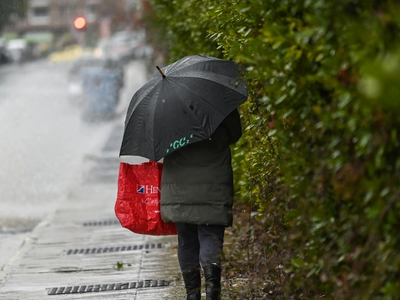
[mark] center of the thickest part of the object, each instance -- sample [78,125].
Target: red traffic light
[80,23]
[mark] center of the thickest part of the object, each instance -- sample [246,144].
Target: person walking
[197,195]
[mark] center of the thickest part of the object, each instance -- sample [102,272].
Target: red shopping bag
[138,199]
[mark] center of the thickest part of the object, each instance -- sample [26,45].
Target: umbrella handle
[161,72]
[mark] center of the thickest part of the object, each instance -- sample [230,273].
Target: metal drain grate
[106,287]
[102,223]
[85,251]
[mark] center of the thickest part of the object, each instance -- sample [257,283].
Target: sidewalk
[82,252]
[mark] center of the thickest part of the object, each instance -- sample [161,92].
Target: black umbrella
[182,103]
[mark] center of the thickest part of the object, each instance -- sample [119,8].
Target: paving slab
[80,251]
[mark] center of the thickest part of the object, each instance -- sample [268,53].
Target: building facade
[53,20]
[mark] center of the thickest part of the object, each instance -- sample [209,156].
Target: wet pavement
[80,251]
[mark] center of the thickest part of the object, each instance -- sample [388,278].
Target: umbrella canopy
[182,103]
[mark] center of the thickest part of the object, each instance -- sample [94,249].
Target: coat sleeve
[234,126]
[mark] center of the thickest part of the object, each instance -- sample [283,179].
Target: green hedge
[320,155]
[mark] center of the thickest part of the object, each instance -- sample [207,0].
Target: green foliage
[120,265]
[319,157]
[9,9]
[180,29]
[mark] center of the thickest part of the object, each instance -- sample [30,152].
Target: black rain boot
[212,274]
[192,284]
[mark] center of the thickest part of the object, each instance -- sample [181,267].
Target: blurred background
[32,29]
[68,69]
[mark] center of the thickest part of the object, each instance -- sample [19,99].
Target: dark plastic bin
[100,92]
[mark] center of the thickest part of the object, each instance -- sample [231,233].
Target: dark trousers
[199,245]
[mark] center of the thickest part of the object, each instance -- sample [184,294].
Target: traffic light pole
[80,28]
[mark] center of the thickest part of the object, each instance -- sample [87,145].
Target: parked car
[4,54]
[85,63]
[123,46]
[18,50]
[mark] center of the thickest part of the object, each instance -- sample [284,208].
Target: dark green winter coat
[197,180]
